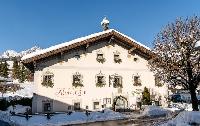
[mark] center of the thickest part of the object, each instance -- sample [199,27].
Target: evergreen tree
[22,77]
[4,69]
[16,70]
[146,97]
[1,66]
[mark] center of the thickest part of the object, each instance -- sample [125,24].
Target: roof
[81,41]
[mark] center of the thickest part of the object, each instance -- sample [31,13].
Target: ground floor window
[107,101]
[69,107]
[77,106]
[96,105]
[47,107]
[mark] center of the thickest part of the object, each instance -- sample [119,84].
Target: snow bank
[26,91]
[18,109]
[155,111]
[185,119]
[63,119]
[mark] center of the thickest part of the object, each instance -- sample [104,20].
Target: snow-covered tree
[176,60]
[4,69]
[16,69]
[22,76]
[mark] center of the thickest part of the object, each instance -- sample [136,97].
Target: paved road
[108,123]
[3,123]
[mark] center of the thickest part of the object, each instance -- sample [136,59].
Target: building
[93,72]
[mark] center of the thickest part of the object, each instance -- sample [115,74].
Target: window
[135,59]
[100,57]
[117,81]
[69,107]
[48,80]
[77,80]
[137,81]
[117,58]
[107,101]
[158,81]
[47,107]
[100,80]
[96,105]
[77,106]
[77,56]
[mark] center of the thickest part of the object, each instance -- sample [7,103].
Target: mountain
[11,53]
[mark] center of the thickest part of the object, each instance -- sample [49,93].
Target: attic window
[100,57]
[77,56]
[135,59]
[117,58]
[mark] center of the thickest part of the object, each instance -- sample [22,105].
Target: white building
[92,72]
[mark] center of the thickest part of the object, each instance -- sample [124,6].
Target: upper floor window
[116,80]
[137,80]
[47,80]
[117,58]
[158,81]
[77,80]
[100,57]
[77,56]
[100,80]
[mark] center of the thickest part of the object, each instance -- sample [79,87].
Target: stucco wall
[88,67]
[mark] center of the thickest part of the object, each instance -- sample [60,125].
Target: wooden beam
[111,39]
[131,50]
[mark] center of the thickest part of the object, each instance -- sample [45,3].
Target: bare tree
[176,59]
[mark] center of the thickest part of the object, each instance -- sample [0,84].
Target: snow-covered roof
[60,47]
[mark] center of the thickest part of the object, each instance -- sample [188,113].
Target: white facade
[63,96]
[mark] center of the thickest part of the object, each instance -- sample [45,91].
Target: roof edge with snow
[81,41]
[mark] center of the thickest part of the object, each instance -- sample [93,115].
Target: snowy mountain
[11,53]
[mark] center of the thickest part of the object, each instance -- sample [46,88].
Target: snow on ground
[155,111]
[26,91]
[61,119]
[185,118]
[18,109]
[180,106]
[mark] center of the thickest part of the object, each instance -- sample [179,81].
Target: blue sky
[25,23]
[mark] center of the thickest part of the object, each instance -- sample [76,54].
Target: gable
[109,36]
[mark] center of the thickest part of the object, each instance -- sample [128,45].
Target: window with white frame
[158,81]
[136,80]
[100,80]
[100,57]
[96,105]
[117,58]
[77,80]
[116,81]
[47,79]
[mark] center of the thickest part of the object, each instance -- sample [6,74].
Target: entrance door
[120,103]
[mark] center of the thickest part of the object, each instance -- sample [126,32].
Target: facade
[93,72]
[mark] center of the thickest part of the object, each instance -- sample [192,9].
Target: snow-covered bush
[185,119]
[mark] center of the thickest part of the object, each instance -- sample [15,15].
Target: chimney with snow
[105,24]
